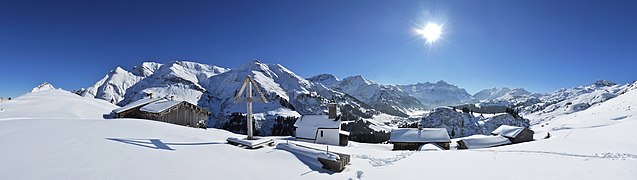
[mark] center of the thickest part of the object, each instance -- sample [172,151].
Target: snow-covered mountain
[385,98]
[214,88]
[113,86]
[506,97]
[441,93]
[381,106]
[500,94]
[570,100]
[42,87]
[328,80]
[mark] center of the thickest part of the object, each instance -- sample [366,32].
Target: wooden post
[249,104]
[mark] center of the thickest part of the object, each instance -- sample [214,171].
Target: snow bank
[54,104]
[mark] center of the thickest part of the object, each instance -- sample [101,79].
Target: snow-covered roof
[484,142]
[159,106]
[508,131]
[137,103]
[343,132]
[307,125]
[422,135]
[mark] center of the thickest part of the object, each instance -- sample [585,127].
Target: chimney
[419,126]
[150,95]
[331,108]
[172,98]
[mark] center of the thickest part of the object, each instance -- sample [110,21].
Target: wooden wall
[184,114]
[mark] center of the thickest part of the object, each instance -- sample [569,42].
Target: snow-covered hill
[441,93]
[54,104]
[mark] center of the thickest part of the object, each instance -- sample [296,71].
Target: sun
[431,32]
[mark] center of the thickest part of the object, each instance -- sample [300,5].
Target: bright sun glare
[431,32]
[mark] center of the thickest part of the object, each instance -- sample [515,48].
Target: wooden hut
[514,134]
[164,110]
[413,138]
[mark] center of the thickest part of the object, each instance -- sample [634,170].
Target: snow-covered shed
[482,141]
[321,129]
[514,134]
[413,138]
[165,110]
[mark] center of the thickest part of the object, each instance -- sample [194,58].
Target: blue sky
[539,45]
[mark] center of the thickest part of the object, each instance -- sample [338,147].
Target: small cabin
[482,141]
[514,134]
[413,138]
[321,129]
[165,110]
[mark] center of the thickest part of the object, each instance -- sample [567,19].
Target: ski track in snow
[606,155]
[378,162]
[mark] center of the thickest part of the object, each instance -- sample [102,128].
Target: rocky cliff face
[460,124]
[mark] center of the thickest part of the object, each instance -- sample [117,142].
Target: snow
[430,147]
[307,125]
[250,143]
[422,135]
[159,106]
[58,135]
[507,131]
[481,141]
[54,104]
[43,87]
[137,103]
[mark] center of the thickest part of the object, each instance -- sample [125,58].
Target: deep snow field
[55,134]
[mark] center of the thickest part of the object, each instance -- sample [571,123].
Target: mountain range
[380,105]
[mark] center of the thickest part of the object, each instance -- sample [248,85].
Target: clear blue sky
[541,45]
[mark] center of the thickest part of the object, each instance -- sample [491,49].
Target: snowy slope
[437,94]
[54,104]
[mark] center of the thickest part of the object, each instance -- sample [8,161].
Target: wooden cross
[249,83]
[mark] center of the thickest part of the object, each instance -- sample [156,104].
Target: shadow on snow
[157,143]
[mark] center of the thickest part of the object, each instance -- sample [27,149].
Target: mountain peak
[43,87]
[441,82]
[253,65]
[359,78]
[325,79]
[146,69]
[602,83]
[119,70]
